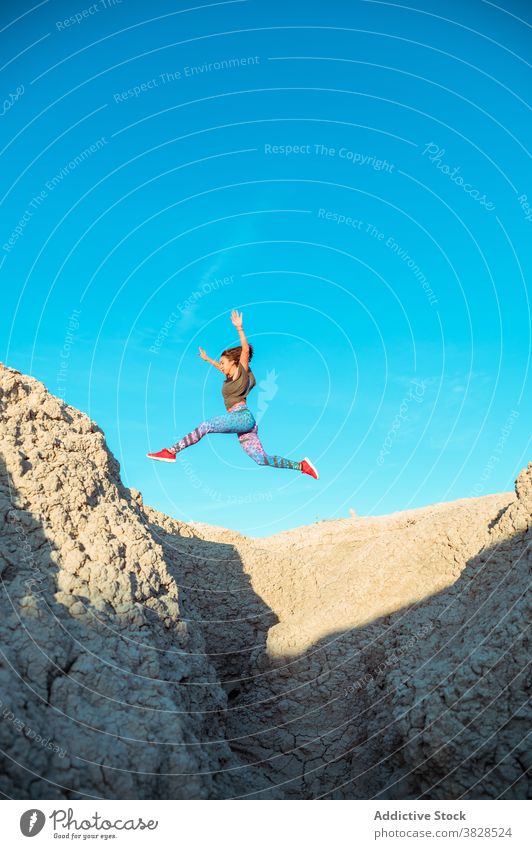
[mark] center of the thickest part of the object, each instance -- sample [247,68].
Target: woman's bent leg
[252,445]
[236,422]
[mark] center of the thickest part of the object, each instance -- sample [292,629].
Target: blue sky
[353,176]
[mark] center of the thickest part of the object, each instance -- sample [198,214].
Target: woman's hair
[233,354]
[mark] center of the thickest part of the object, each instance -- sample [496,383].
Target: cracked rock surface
[379,657]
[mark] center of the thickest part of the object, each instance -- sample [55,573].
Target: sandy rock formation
[382,657]
[99,659]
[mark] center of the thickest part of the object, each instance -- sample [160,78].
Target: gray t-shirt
[236,390]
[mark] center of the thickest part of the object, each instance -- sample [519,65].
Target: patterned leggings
[239,420]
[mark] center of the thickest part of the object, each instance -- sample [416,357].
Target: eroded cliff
[144,658]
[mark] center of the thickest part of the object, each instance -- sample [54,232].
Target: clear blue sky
[350,175]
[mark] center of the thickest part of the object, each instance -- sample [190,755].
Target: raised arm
[203,355]
[236,318]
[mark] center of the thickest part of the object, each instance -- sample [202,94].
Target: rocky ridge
[146,658]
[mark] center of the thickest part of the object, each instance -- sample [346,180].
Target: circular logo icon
[32,822]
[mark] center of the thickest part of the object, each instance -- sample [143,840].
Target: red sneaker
[308,469]
[165,455]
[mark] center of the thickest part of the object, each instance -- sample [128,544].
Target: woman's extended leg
[238,421]
[252,445]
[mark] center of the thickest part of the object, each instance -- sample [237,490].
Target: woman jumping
[238,383]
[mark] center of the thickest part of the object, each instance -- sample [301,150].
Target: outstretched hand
[236,318]
[203,354]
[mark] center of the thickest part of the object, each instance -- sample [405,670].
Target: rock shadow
[217,594]
[428,702]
